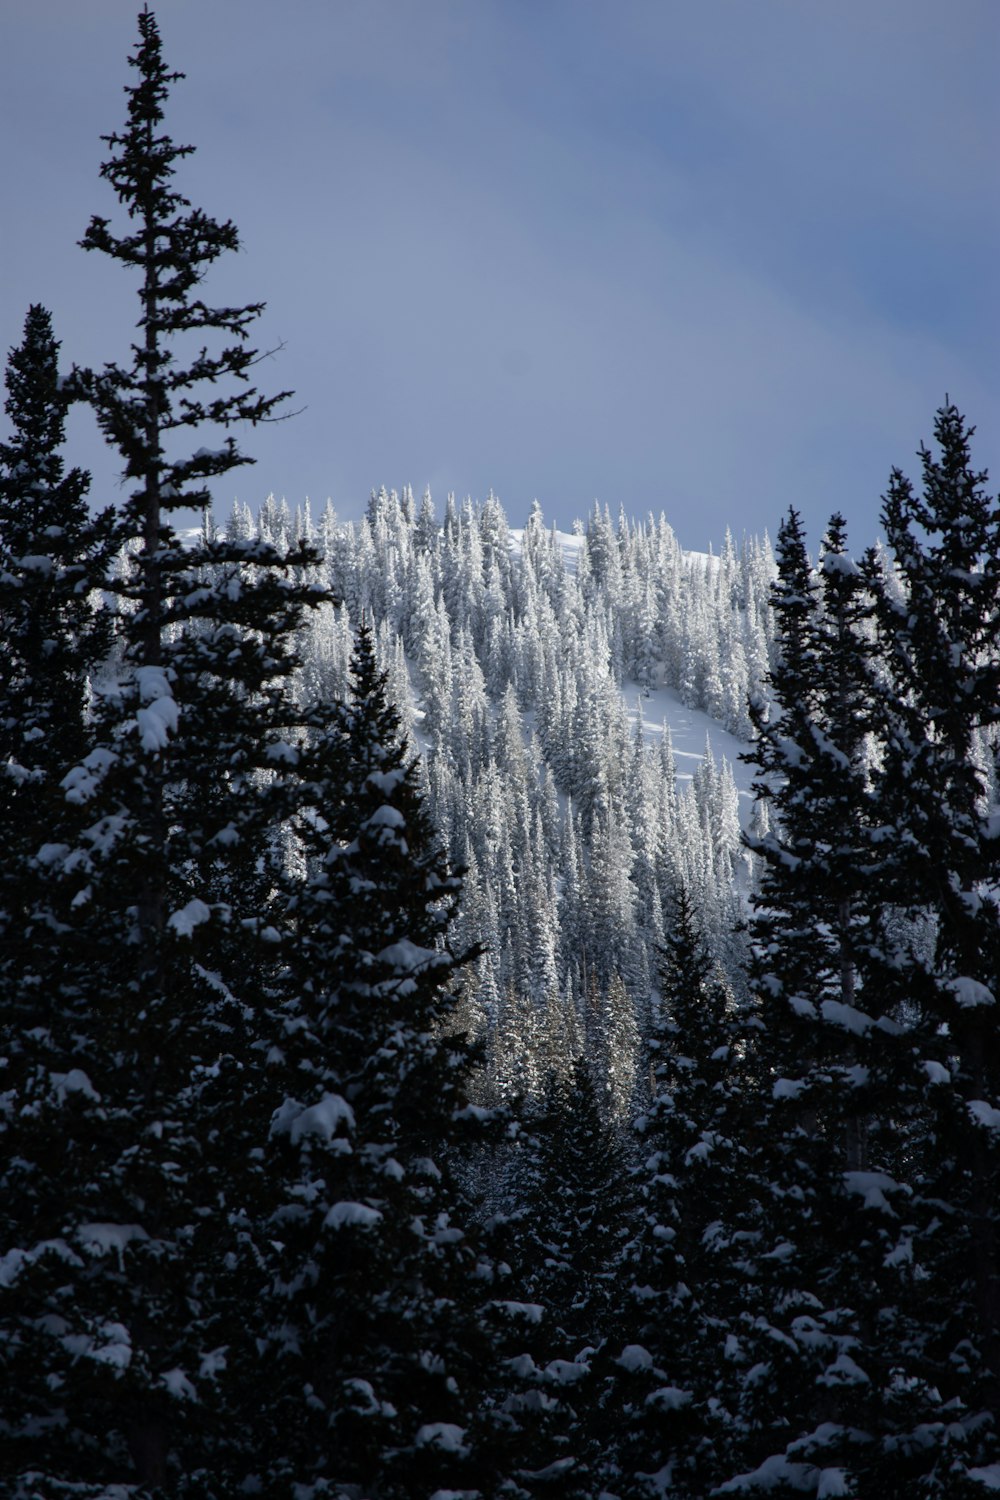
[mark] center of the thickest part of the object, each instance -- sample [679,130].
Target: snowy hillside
[579,703]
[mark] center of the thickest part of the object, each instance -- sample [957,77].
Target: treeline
[304,1194]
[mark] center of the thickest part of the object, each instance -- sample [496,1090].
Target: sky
[712,259]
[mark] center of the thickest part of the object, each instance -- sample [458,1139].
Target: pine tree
[938,623]
[52,559]
[822,1217]
[686,1295]
[131,1123]
[569,1231]
[857,1368]
[371,1331]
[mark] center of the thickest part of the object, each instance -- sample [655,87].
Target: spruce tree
[372,1331]
[569,1232]
[938,624]
[686,1294]
[810,1397]
[129,1140]
[53,558]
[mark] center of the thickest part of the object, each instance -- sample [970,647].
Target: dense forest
[411,1086]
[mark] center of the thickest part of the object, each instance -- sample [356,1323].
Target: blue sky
[712,259]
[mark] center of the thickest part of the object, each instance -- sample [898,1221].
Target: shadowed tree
[130,1128]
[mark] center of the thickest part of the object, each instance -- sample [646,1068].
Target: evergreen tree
[686,1295]
[853,1373]
[372,1313]
[577,1209]
[569,1230]
[814,1370]
[130,1126]
[938,623]
[52,559]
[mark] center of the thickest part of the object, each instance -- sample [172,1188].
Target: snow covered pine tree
[128,1143]
[373,1317]
[807,1396]
[52,558]
[938,965]
[686,1296]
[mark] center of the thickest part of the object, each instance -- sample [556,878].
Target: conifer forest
[486,1013]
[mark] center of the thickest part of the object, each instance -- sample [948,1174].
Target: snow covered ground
[690,732]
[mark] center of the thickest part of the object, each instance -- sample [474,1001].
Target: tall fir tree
[373,1331]
[828,1268]
[129,1139]
[687,1293]
[938,966]
[53,558]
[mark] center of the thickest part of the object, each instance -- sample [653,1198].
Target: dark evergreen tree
[853,1376]
[809,1395]
[53,556]
[938,624]
[569,1229]
[688,1293]
[130,1121]
[374,1339]
[52,559]
[576,1211]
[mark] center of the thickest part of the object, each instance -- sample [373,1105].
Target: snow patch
[839,1014]
[157,723]
[444,1435]
[116,1350]
[73,1082]
[386,817]
[189,917]
[13,1262]
[409,957]
[565,1371]
[179,1386]
[669,1398]
[321,1119]
[969,993]
[153,683]
[984,1114]
[280,750]
[832,1482]
[635,1357]
[356,1215]
[770,1475]
[531,1312]
[101,1239]
[872,1187]
[843,1371]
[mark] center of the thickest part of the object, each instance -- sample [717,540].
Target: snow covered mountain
[579,703]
